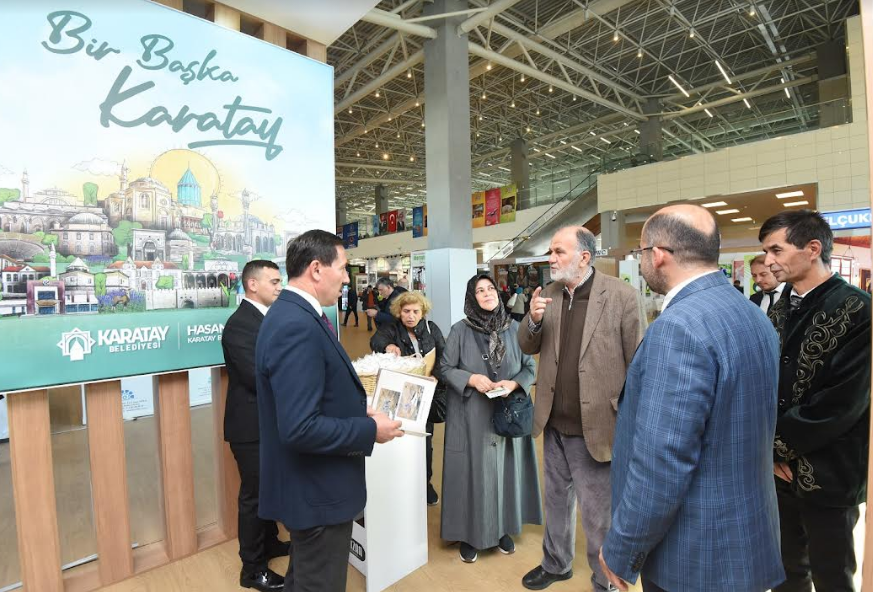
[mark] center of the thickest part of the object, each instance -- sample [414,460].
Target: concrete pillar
[833,84]
[451,260]
[341,214]
[612,230]
[520,168]
[651,142]
[381,199]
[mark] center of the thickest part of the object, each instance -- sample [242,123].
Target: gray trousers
[319,559]
[571,474]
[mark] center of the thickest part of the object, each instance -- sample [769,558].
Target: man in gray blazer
[585,326]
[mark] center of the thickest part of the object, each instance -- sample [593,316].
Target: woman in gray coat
[491,484]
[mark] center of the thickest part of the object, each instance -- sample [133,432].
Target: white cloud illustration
[98,166]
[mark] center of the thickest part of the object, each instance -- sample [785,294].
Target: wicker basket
[369,380]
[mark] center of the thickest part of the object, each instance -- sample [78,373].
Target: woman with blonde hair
[411,334]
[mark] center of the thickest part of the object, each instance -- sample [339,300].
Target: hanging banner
[508,203]
[392,221]
[479,209]
[418,222]
[374,226]
[350,235]
[401,220]
[179,150]
[383,224]
[492,207]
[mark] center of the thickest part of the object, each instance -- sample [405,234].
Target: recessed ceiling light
[723,212]
[789,194]
[715,204]
[796,203]
[745,219]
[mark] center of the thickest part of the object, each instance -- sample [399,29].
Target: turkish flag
[392,221]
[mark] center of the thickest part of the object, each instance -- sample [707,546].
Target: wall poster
[155,153]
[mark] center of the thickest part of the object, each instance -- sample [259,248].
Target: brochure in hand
[498,392]
[404,397]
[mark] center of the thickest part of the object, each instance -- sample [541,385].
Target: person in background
[315,425]
[738,285]
[823,426]
[351,306]
[258,539]
[387,293]
[491,484]
[368,302]
[585,327]
[518,306]
[411,334]
[693,504]
[771,288]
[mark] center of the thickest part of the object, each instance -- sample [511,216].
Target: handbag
[513,414]
[438,406]
[511,302]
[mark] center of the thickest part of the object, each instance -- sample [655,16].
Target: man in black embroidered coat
[822,431]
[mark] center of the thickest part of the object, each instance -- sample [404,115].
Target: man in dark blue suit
[693,499]
[315,425]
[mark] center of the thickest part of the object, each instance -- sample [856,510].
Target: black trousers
[817,544]
[351,311]
[319,559]
[255,535]
[651,587]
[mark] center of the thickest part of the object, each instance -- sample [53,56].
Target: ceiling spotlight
[422,124]
[389,118]
[512,104]
[398,135]
[522,78]
[411,159]
[483,96]
[691,35]
[385,156]
[377,94]
[488,66]
[417,103]
[615,36]
[752,10]
[640,52]
[528,128]
[350,110]
[538,111]
[480,118]
[409,73]
[500,139]
[377,144]
[551,89]
[359,154]
[477,134]
[574,98]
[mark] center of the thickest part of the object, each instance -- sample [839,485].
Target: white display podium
[392,542]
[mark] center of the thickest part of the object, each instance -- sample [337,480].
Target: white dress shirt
[308,298]
[258,305]
[678,287]
[765,300]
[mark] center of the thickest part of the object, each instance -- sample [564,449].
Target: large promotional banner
[508,203]
[479,209]
[492,207]
[349,234]
[419,221]
[149,155]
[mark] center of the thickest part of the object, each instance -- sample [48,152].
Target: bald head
[688,230]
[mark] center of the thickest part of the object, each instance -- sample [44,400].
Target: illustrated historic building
[148,245]
[80,289]
[86,234]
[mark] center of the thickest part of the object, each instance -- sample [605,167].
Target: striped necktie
[329,324]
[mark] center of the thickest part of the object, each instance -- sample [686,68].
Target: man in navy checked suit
[693,499]
[315,425]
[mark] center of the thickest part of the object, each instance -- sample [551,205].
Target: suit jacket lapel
[596,302]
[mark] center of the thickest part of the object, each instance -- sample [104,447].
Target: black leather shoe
[278,549]
[432,497]
[539,579]
[265,581]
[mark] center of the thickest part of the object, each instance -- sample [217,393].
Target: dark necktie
[795,301]
[771,296]
[329,324]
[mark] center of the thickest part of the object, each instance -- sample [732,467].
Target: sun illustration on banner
[178,166]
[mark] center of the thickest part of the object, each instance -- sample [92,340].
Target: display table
[392,541]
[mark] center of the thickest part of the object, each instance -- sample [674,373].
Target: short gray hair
[587,241]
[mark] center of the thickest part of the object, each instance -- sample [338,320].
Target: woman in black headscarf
[490,483]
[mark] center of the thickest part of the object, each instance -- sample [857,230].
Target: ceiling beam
[380,81]
[491,11]
[393,21]
[735,98]
[371,57]
[375,181]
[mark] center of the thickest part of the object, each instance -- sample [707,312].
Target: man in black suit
[315,426]
[771,288]
[258,539]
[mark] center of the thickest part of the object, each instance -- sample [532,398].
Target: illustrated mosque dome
[178,234]
[188,189]
[85,218]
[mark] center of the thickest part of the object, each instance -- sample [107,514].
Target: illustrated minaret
[53,257]
[123,176]
[246,200]
[25,186]
[213,202]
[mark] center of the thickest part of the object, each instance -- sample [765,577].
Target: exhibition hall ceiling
[575,79]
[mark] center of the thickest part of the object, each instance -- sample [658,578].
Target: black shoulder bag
[438,407]
[513,414]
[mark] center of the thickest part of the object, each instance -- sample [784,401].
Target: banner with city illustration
[149,155]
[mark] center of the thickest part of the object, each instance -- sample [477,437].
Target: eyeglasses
[638,253]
